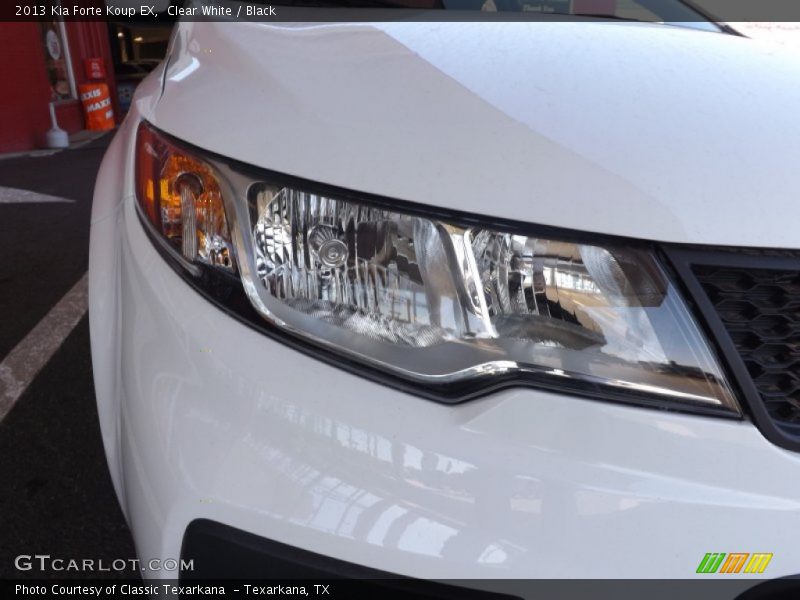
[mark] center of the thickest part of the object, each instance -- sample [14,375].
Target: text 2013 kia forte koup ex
[455,300]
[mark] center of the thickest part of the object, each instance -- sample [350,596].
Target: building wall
[24,116]
[25,95]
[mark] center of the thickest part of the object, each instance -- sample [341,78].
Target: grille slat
[760,309]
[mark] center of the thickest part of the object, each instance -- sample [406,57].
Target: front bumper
[205,418]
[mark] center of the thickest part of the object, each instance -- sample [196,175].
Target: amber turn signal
[179,195]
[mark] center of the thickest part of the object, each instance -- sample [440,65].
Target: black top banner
[167,11]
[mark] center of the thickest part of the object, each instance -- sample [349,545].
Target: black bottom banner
[410,589]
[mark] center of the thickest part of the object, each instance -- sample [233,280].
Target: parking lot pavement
[56,496]
[45,246]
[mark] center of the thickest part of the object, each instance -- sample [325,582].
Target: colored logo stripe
[758,563]
[710,562]
[713,562]
[734,562]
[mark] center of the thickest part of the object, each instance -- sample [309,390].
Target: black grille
[760,309]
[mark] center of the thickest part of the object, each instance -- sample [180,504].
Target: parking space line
[16,196]
[23,363]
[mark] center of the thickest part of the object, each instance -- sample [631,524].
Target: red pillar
[89,39]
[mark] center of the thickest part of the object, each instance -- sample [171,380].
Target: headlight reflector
[440,302]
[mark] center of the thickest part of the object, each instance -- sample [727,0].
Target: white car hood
[645,131]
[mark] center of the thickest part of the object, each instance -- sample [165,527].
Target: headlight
[451,306]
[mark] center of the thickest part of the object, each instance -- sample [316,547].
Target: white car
[455,300]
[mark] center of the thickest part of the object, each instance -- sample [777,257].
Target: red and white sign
[95,69]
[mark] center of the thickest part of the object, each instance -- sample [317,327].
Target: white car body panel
[218,421]
[446,114]
[203,417]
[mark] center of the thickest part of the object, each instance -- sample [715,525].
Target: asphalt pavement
[56,495]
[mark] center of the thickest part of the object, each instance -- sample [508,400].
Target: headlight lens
[453,306]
